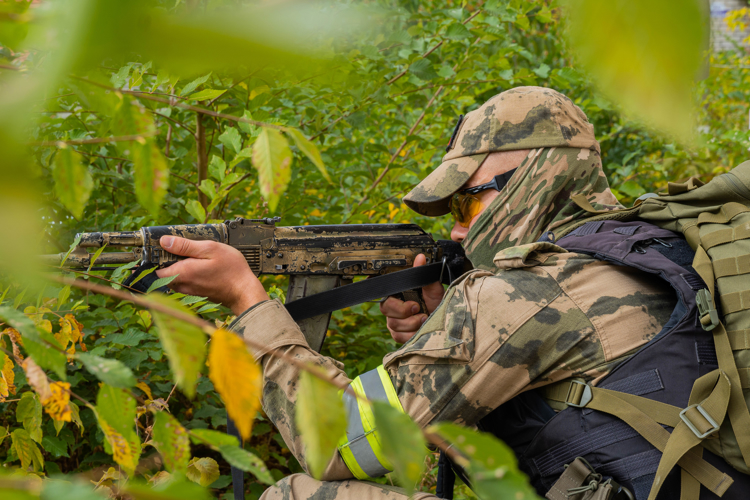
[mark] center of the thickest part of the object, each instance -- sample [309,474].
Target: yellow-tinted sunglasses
[465,206]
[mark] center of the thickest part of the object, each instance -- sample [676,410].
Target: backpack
[714,218]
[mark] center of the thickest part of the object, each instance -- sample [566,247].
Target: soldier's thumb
[181,246]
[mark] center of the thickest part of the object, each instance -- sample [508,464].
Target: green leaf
[308,149]
[26,450]
[161,282]
[215,438]
[457,31]
[250,129]
[119,274]
[175,489]
[46,352]
[121,77]
[203,471]
[72,179]
[76,416]
[423,69]
[151,175]
[109,371]
[72,247]
[491,463]
[246,461]
[273,160]
[142,275]
[55,446]
[632,189]
[171,439]
[231,139]
[62,296]
[644,54]
[62,490]
[403,444]
[29,411]
[217,167]
[20,322]
[194,84]
[184,344]
[195,209]
[115,411]
[92,258]
[206,95]
[208,187]
[321,421]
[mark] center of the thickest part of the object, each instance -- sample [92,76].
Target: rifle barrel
[76,260]
[111,239]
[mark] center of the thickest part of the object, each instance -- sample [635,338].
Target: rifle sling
[365,290]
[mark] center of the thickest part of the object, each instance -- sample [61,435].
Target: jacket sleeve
[270,325]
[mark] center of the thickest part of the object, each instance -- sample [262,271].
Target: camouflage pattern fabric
[303,487]
[545,315]
[537,200]
[520,118]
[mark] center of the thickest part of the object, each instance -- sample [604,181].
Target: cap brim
[432,196]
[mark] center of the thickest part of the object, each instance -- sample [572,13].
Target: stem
[97,140]
[200,139]
[209,329]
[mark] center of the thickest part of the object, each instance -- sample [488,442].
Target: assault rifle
[318,260]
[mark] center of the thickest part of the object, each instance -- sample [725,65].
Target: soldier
[530,314]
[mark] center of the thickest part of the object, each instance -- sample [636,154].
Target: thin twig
[430,51]
[209,329]
[185,106]
[96,140]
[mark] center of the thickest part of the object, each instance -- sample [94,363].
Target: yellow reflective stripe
[379,384]
[390,391]
[350,461]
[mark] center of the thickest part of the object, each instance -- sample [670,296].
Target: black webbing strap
[238,477]
[366,290]
[446,478]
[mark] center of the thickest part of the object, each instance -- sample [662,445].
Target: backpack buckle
[707,420]
[579,394]
[707,313]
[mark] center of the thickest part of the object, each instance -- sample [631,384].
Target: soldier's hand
[216,271]
[404,318]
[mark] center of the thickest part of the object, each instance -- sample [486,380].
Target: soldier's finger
[411,324]
[394,308]
[420,260]
[186,247]
[182,268]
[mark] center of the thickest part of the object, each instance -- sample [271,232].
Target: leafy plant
[115,117]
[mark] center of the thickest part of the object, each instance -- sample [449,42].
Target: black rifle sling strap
[347,296]
[366,290]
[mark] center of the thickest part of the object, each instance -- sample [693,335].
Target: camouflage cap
[520,118]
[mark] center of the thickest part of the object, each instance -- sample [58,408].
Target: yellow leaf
[57,405]
[121,450]
[45,325]
[8,377]
[76,328]
[203,471]
[145,388]
[36,378]
[237,378]
[63,336]
[16,340]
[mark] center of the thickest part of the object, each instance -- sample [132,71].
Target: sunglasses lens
[465,207]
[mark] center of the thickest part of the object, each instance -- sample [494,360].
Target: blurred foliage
[114,118]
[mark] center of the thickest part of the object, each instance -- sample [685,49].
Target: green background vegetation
[378,102]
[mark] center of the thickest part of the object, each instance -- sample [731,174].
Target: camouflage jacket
[545,315]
